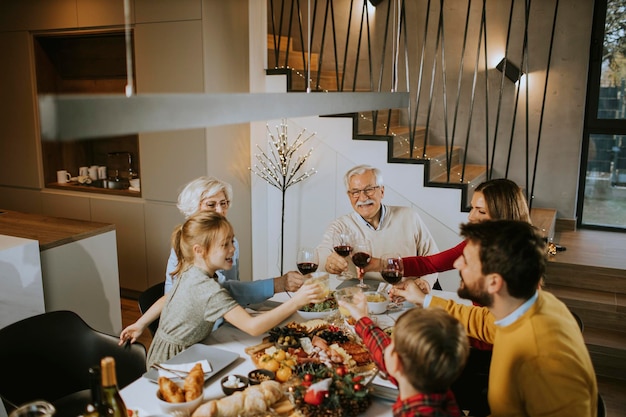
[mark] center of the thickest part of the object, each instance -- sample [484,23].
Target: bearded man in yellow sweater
[540,364]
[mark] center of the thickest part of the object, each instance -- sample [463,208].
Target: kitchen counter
[49,231]
[79,266]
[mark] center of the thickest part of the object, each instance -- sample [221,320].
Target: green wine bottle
[111,397]
[96,408]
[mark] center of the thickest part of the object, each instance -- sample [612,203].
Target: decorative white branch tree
[281,167]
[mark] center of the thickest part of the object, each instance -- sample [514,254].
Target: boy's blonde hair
[203,228]
[433,348]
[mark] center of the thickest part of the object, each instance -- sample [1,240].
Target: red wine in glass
[392,277]
[343,250]
[307,267]
[361,259]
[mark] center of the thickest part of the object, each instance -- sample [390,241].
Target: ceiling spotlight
[510,70]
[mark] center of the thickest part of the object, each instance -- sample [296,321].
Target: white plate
[218,358]
[310,315]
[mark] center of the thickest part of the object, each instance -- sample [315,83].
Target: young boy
[426,353]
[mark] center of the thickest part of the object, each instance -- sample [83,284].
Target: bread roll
[253,400]
[194,383]
[171,392]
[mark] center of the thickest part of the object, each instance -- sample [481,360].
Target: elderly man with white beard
[390,229]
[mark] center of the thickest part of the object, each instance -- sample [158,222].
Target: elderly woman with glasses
[211,194]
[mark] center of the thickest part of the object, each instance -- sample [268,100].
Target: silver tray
[218,358]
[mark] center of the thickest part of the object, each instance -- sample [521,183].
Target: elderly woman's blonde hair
[197,190]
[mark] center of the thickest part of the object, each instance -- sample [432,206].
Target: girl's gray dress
[191,308]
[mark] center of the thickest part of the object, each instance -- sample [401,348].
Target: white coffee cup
[102,172]
[93,172]
[83,171]
[63,176]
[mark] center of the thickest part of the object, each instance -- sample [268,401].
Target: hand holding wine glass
[392,271]
[361,256]
[342,244]
[307,260]
[392,268]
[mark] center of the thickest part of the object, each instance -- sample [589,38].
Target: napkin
[185,367]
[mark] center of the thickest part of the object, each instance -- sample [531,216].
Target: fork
[177,372]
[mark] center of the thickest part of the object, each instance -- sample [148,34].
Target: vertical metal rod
[310,42]
[358,49]
[130,84]
[445,82]
[543,102]
[458,91]
[334,32]
[419,81]
[275,35]
[473,95]
[433,77]
[486,97]
[526,118]
[345,52]
[280,33]
[289,27]
[322,46]
[500,93]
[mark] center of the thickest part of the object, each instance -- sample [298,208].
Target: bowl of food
[259,375]
[172,400]
[319,310]
[377,302]
[287,341]
[234,383]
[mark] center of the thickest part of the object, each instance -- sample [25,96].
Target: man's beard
[477,294]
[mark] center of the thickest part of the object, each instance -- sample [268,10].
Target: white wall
[312,204]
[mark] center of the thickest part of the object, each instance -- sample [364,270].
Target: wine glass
[307,260]
[392,270]
[342,244]
[361,257]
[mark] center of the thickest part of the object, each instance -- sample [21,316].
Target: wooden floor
[613,390]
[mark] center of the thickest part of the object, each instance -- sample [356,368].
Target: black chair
[48,356]
[579,321]
[601,406]
[147,298]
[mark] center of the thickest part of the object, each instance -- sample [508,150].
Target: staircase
[590,277]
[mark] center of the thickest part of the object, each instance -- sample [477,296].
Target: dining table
[141,396]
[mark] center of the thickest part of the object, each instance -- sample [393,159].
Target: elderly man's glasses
[212,205]
[369,191]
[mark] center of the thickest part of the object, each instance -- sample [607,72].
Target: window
[602,193]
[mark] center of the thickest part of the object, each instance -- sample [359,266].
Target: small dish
[377,302]
[233,383]
[186,408]
[310,315]
[259,375]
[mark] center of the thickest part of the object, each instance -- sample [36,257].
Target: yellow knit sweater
[540,364]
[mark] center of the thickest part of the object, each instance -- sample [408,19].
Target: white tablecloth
[141,394]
